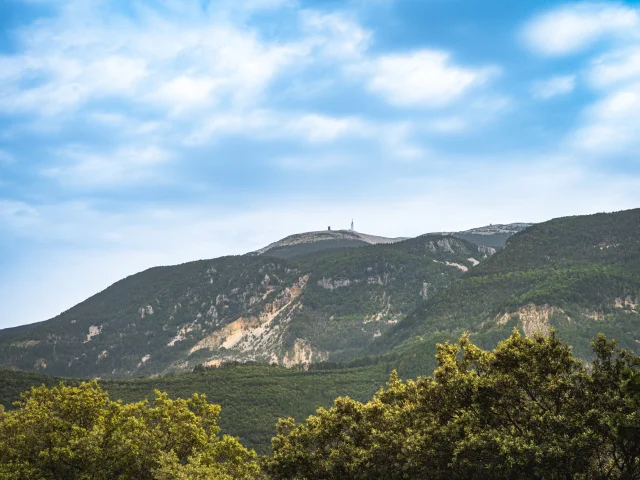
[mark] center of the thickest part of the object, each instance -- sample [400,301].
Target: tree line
[528,409]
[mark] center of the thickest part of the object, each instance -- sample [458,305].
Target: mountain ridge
[327,307]
[579,275]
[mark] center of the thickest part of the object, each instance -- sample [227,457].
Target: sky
[143,133]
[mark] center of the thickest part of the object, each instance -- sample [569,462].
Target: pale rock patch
[329,284]
[464,268]
[533,318]
[144,360]
[252,334]
[626,302]
[182,334]
[303,354]
[25,344]
[93,331]
[221,299]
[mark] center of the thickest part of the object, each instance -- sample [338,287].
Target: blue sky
[142,133]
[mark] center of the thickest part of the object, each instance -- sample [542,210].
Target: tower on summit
[352,224]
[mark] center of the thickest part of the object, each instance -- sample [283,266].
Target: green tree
[69,432]
[528,410]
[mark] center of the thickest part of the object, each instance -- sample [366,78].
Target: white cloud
[553,87]
[185,92]
[321,128]
[266,124]
[108,246]
[615,67]
[335,34]
[425,78]
[612,124]
[83,168]
[83,55]
[572,28]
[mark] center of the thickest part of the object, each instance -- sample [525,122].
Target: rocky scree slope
[327,306]
[579,275]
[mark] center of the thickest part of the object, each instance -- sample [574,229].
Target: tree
[528,410]
[78,433]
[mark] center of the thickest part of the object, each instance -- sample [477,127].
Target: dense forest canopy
[528,409]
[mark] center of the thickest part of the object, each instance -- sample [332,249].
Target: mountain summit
[309,242]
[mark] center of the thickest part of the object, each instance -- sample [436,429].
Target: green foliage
[386,282]
[176,295]
[586,267]
[252,398]
[160,314]
[527,410]
[320,246]
[76,432]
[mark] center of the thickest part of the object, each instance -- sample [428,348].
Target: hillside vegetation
[580,275]
[528,409]
[328,306]
[253,398]
[577,275]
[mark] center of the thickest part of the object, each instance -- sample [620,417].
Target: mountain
[302,244]
[310,242]
[579,275]
[491,235]
[326,306]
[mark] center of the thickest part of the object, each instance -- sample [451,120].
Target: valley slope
[579,275]
[328,305]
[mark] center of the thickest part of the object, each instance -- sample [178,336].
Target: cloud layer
[142,133]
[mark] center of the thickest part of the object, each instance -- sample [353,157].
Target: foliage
[252,398]
[148,323]
[76,432]
[586,267]
[528,410]
[176,296]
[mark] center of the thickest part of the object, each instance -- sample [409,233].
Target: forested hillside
[580,275]
[327,306]
[252,397]
[528,409]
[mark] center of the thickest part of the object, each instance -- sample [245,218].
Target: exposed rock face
[330,284]
[456,265]
[303,354]
[93,331]
[533,318]
[257,336]
[627,302]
